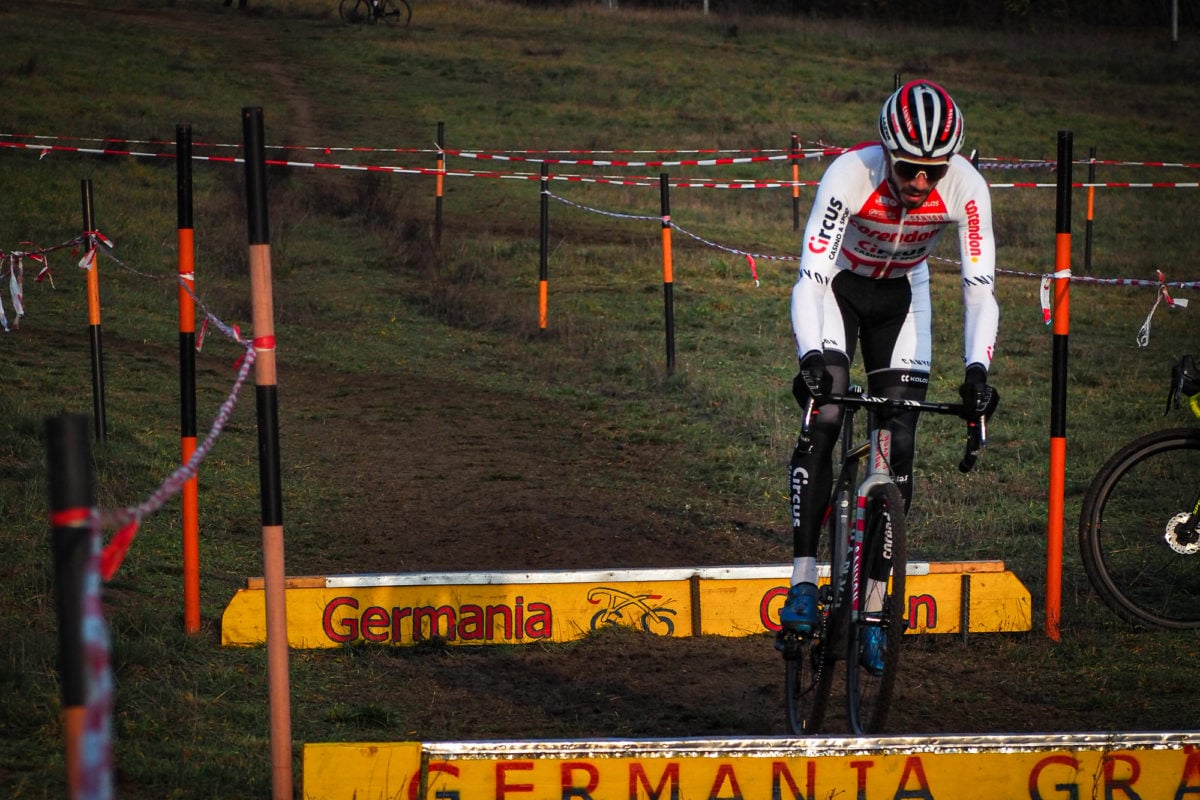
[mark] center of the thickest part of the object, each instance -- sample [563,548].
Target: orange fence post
[795,182]
[668,271]
[441,179]
[544,256]
[187,377]
[91,245]
[72,495]
[1091,212]
[1061,309]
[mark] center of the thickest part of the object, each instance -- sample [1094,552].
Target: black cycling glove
[979,399]
[812,381]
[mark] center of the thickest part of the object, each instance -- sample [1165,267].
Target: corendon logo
[894,236]
[973,236]
[824,238]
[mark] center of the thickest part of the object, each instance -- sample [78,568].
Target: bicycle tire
[1145,493]
[354,11]
[807,684]
[810,660]
[395,12]
[869,696]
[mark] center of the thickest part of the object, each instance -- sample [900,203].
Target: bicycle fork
[879,475]
[858,548]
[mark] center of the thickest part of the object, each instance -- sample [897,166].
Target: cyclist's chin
[911,200]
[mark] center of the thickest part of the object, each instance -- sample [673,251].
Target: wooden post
[262,305]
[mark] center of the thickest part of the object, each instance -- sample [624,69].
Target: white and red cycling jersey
[857,225]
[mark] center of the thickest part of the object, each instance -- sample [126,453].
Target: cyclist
[864,278]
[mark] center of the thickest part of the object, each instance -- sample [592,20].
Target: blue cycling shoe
[799,612]
[873,649]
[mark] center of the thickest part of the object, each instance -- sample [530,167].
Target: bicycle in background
[1139,527]
[865,525]
[392,12]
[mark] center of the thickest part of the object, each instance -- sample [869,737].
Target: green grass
[357,286]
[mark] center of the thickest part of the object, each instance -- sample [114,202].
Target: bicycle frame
[877,450]
[849,532]
[879,474]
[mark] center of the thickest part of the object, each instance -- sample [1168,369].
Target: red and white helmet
[920,120]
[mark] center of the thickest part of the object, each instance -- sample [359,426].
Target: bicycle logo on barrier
[623,608]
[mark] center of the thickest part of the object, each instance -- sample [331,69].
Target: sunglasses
[909,170]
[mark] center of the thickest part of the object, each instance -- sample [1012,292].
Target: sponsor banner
[524,607]
[1051,767]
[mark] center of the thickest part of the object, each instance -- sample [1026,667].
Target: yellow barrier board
[525,607]
[1117,767]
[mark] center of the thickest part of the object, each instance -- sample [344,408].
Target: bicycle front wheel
[869,689]
[395,12]
[1139,533]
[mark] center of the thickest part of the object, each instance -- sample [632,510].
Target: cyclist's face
[913,181]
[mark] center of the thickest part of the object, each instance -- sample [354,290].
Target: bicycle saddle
[1185,380]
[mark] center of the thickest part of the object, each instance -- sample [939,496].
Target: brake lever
[806,422]
[976,442]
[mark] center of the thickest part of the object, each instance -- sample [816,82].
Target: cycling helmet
[920,120]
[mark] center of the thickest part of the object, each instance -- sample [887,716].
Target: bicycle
[393,12]
[1139,527]
[865,523]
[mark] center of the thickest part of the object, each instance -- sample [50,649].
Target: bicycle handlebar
[976,428]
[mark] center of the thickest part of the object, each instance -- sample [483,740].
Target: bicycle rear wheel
[352,11]
[809,662]
[1139,535]
[807,674]
[869,694]
[395,12]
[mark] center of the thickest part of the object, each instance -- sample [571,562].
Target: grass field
[382,331]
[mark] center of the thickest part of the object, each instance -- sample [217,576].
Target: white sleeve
[823,234]
[977,248]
